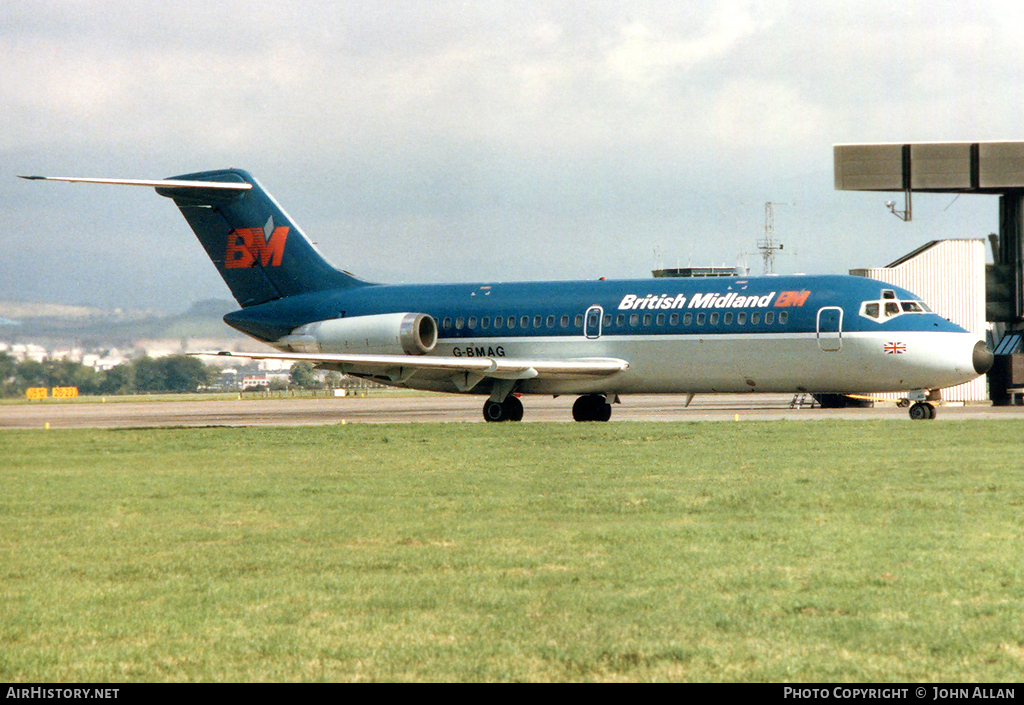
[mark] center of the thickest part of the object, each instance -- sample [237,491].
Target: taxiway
[438,408]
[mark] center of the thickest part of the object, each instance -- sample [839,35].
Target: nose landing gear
[922,410]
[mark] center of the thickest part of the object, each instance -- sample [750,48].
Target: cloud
[520,132]
[646,56]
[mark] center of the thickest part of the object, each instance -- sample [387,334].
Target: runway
[439,408]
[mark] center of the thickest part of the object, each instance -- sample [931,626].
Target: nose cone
[983,357]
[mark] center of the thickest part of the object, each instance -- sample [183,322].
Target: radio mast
[767,244]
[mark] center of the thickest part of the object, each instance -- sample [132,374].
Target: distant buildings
[104,360]
[25,351]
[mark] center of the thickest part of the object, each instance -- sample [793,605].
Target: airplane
[599,339]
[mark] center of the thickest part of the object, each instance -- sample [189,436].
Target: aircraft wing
[464,372]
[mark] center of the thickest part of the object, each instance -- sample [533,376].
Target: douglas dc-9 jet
[596,339]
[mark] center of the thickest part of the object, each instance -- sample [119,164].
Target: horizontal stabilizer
[155,183]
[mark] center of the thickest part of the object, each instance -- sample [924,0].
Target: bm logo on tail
[247,246]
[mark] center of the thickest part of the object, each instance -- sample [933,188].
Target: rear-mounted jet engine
[383,334]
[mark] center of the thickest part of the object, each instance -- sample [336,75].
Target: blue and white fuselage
[598,339]
[756,334]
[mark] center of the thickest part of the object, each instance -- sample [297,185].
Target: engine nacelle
[383,334]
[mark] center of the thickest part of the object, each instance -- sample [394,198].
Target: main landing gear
[592,407]
[503,405]
[589,407]
[509,410]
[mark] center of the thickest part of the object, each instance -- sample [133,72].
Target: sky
[435,140]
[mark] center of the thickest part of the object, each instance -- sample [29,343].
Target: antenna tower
[767,244]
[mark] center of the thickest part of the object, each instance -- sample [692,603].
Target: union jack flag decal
[894,348]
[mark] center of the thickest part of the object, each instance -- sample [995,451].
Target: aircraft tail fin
[260,253]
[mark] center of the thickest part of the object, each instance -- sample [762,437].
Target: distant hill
[95,327]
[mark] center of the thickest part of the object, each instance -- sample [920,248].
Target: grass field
[768,551]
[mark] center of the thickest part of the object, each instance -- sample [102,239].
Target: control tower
[992,168]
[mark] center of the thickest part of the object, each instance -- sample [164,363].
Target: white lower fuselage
[872,362]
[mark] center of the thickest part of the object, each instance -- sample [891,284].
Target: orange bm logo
[246,246]
[792,298]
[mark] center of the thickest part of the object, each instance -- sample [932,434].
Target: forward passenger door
[830,328]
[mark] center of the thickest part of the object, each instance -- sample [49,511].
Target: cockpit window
[890,307]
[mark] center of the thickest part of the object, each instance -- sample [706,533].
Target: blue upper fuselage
[779,304]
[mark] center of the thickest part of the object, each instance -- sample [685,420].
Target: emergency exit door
[592,322]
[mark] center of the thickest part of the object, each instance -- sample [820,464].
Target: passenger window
[607,320]
[634,319]
[524,322]
[714,319]
[673,320]
[511,322]
[687,319]
[472,322]
[700,319]
[769,318]
[661,319]
[647,319]
[620,320]
[499,321]
[741,318]
[783,317]
[755,317]
[565,321]
[485,322]
[728,318]
[537,320]
[447,322]
[551,321]
[459,323]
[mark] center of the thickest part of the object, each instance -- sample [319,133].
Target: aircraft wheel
[513,408]
[509,410]
[920,411]
[591,407]
[583,409]
[494,412]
